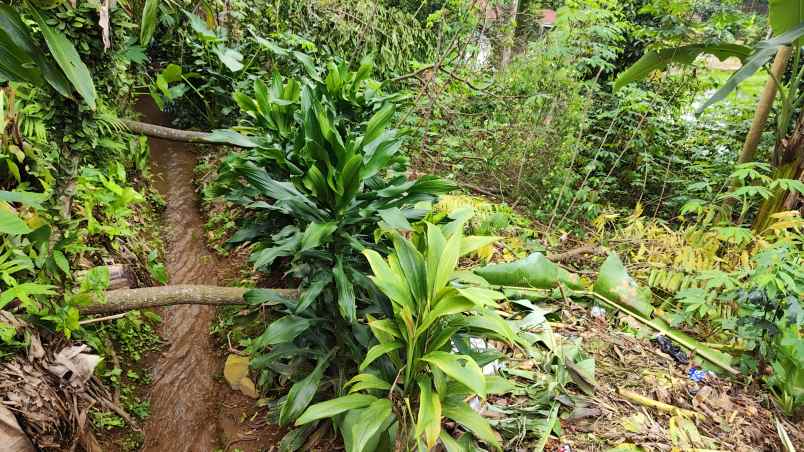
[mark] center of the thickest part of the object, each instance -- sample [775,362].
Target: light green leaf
[11,224]
[449,305]
[658,60]
[377,351]
[461,413]
[334,407]
[785,15]
[150,18]
[428,421]
[473,243]
[395,219]
[346,292]
[230,58]
[614,283]
[412,265]
[68,60]
[302,393]
[469,374]
[27,198]
[316,234]
[370,422]
[378,122]
[61,261]
[535,271]
[227,136]
[284,329]
[363,382]
[23,292]
[389,282]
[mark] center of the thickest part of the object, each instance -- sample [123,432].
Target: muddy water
[183,394]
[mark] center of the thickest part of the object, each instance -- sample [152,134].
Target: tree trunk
[166,133]
[507,51]
[152,297]
[791,151]
[764,106]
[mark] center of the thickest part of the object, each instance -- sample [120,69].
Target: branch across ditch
[152,297]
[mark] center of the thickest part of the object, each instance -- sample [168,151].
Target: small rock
[235,372]
[248,389]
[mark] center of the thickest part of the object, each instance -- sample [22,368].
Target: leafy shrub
[326,173]
[413,371]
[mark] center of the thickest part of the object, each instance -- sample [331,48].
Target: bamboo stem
[661,406]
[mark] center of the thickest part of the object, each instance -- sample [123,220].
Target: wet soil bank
[191,410]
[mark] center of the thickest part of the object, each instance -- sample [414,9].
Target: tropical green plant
[326,173]
[23,61]
[413,379]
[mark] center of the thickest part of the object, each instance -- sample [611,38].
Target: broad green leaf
[534,271]
[334,407]
[395,218]
[302,393]
[658,60]
[461,413]
[150,17]
[412,265]
[227,136]
[230,58]
[307,63]
[473,243]
[311,293]
[23,292]
[384,330]
[16,49]
[388,281]
[785,15]
[11,224]
[447,261]
[346,292]
[363,382]
[462,368]
[200,27]
[481,296]
[68,60]
[428,421]
[446,306]
[61,261]
[450,444]
[614,283]
[377,124]
[316,234]
[377,351]
[370,422]
[763,52]
[284,329]
[27,198]
[436,244]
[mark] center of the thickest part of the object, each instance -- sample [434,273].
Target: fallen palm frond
[51,394]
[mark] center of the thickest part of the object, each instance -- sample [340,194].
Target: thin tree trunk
[507,52]
[166,133]
[764,106]
[152,297]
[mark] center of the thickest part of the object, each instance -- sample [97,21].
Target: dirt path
[183,395]
[191,409]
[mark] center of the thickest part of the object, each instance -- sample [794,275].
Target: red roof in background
[548,17]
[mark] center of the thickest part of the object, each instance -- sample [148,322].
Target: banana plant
[412,380]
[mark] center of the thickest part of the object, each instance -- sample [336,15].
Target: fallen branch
[151,297]
[166,133]
[569,255]
[661,406]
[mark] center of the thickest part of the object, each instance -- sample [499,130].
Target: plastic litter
[598,312]
[667,346]
[698,375]
[565,448]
